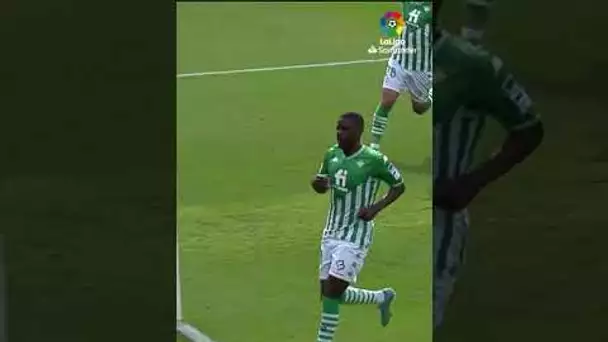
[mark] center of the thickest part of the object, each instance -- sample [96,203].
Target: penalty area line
[286,67]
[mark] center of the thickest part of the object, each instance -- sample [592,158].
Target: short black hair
[356,117]
[436,6]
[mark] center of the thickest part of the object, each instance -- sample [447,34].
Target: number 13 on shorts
[341,259]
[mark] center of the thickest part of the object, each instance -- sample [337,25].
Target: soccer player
[477,15]
[409,67]
[472,85]
[352,172]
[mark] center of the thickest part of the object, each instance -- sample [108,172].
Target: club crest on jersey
[340,179]
[341,189]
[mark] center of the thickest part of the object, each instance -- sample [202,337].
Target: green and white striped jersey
[355,180]
[414,50]
[471,84]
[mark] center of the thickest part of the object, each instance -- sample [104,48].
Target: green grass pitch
[248,145]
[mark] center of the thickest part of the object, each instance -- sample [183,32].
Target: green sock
[329,320]
[379,123]
[353,295]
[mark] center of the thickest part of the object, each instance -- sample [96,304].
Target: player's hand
[455,194]
[367,214]
[321,184]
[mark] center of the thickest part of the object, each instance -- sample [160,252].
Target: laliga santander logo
[392,24]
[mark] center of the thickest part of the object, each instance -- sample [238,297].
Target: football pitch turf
[248,145]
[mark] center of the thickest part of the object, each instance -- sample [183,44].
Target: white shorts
[450,231]
[418,83]
[341,259]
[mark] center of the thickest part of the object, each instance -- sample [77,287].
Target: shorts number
[391,72]
[394,171]
[340,265]
[516,93]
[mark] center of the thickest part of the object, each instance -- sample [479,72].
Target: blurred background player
[472,85]
[401,66]
[476,18]
[409,67]
[353,173]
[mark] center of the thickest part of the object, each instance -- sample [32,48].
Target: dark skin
[456,194]
[389,97]
[420,107]
[349,139]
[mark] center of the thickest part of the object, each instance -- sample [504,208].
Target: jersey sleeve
[503,98]
[386,171]
[323,171]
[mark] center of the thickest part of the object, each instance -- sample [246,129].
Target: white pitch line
[286,67]
[191,333]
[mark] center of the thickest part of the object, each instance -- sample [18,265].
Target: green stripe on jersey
[455,143]
[355,181]
[344,223]
[468,76]
[414,51]
[416,54]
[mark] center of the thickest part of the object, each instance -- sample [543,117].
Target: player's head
[436,7]
[349,129]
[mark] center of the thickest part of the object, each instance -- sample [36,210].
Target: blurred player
[353,173]
[477,14]
[409,67]
[471,85]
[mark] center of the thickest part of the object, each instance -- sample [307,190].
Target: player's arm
[391,196]
[507,101]
[321,181]
[420,107]
[387,172]
[421,93]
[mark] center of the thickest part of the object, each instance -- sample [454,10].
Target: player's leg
[449,240]
[331,292]
[392,86]
[420,87]
[476,19]
[347,262]
[340,264]
[327,248]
